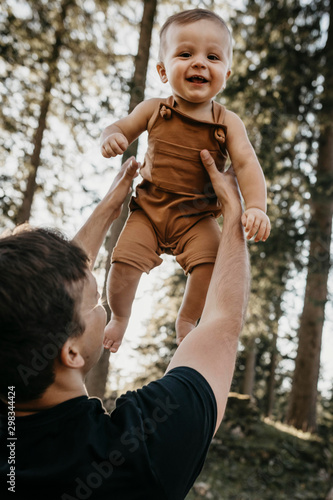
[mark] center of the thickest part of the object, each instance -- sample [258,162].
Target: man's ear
[70,355]
[162,72]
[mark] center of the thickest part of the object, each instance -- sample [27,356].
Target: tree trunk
[97,378]
[250,367]
[24,211]
[271,378]
[23,214]
[303,397]
[274,355]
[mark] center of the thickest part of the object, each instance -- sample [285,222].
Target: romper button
[165,113]
[219,135]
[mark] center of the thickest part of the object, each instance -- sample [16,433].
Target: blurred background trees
[70,67]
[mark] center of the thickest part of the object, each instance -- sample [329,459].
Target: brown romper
[175,207]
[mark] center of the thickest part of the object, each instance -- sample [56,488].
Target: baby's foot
[183,327]
[114,333]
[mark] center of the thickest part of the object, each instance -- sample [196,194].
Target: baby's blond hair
[188,17]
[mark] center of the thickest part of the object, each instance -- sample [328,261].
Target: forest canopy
[69,67]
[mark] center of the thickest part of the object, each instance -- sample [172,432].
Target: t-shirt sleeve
[179,417]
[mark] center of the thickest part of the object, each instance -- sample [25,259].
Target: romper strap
[170,101]
[166,113]
[218,113]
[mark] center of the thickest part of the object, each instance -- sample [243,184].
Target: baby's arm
[116,138]
[250,178]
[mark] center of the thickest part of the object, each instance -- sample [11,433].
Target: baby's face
[196,60]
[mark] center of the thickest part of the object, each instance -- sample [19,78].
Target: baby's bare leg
[194,300]
[123,281]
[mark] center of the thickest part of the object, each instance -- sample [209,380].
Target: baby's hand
[256,222]
[113,145]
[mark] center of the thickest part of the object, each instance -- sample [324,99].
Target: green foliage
[255,459]
[276,88]
[62,52]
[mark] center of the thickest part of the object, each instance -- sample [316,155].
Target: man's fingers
[208,161]
[224,184]
[128,165]
[128,172]
[131,169]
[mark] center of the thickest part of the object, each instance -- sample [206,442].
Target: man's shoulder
[176,422]
[170,391]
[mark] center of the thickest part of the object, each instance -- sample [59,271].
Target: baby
[175,208]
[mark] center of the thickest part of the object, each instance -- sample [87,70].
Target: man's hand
[113,145]
[254,220]
[92,233]
[256,223]
[121,185]
[225,185]
[211,347]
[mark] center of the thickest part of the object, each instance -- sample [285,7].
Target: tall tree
[54,80]
[271,90]
[24,211]
[97,378]
[303,397]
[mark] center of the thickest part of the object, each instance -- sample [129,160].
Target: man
[56,443]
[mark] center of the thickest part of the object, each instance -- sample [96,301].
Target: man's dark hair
[41,280]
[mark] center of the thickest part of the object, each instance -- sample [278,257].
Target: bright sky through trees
[96,173]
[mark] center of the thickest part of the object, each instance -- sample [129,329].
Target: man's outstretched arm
[211,347]
[92,233]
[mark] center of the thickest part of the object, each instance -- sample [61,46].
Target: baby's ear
[162,72]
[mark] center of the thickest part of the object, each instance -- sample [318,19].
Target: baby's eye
[213,57]
[185,54]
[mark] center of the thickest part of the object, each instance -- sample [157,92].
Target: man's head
[42,277]
[195,55]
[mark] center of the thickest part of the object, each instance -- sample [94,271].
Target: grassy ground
[255,459]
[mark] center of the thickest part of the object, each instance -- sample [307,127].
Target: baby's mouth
[197,79]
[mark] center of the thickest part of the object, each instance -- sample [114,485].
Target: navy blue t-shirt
[151,447]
